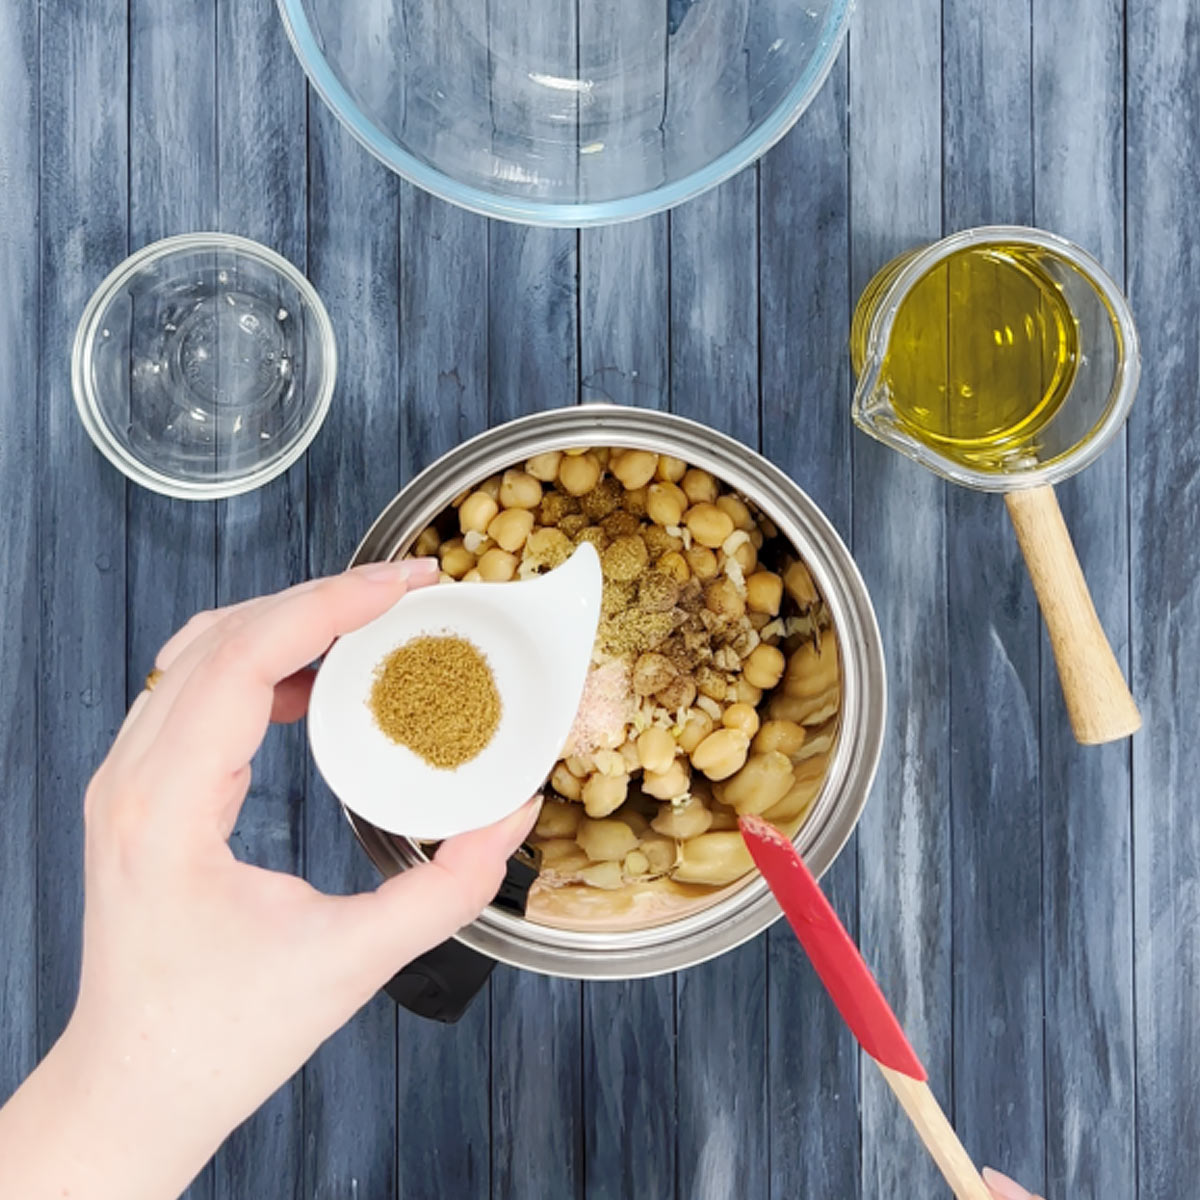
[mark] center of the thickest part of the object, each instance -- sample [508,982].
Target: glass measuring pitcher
[1004,359]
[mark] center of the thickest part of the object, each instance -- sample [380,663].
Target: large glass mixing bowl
[567,112]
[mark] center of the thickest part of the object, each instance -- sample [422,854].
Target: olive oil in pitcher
[982,352]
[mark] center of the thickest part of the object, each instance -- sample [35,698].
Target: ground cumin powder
[437,696]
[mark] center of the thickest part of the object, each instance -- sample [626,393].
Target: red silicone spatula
[853,989]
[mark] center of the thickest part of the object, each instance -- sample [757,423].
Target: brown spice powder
[437,696]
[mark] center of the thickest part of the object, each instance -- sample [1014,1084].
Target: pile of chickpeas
[732,667]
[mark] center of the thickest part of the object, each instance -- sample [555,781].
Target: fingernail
[395,572]
[523,820]
[1003,1187]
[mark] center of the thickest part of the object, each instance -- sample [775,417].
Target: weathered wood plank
[82,499]
[537,1094]
[533,297]
[1163,240]
[20,319]
[261,119]
[721,1138]
[1078,144]
[899,539]
[624,335]
[444,1143]
[629,1068]
[994,636]
[171,551]
[353,239]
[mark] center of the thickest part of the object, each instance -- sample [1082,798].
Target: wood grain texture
[173,167]
[804,307]
[721,1137]
[20,315]
[994,640]
[350,1110]
[1163,246]
[261,536]
[905,896]
[536,1087]
[81,701]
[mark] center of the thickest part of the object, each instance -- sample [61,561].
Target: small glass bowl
[204,366]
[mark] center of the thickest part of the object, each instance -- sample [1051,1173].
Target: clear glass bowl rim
[578,215]
[87,402]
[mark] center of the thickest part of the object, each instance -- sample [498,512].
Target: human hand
[206,982]
[1004,1188]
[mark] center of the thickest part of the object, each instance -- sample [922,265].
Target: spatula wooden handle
[938,1135]
[1099,703]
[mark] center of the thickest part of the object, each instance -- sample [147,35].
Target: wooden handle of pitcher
[1099,703]
[930,1122]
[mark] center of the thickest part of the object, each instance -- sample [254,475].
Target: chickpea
[602,453]
[686,820]
[663,506]
[634,819]
[562,856]
[544,466]
[675,565]
[670,470]
[668,784]
[579,473]
[764,592]
[636,863]
[764,667]
[634,468]
[659,851]
[721,753]
[711,683]
[607,876]
[785,736]
[629,754]
[659,541]
[708,524]
[759,785]
[519,489]
[812,671]
[651,672]
[703,562]
[722,597]
[741,716]
[716,859]
[476,512]
[580,765]
[724,817]
[550,546]
[699,486]
[747,693]
[635,501]
[605,840]
[746,557]
[799,585]
[510,528]
[456,559]
[738,511]
[443,577]
[566,784]
[558,820]
[697,727]
[604,794]
[491,487]
[809,776]
[497,566]
[427,543]
[472,576]
[656,749]
[679,693]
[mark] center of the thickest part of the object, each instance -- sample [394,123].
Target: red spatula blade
[833,954]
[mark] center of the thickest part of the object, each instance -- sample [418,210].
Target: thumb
[416,910]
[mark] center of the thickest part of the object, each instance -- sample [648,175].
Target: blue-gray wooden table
[1032,908]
